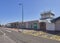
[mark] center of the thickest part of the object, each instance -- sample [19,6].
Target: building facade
[27,25]
[56,21]
[44,23]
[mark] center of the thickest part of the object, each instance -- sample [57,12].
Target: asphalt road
[16,37]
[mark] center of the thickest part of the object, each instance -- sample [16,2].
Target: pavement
[11,36]
[4,38]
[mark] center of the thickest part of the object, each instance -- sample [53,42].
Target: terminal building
[46,22]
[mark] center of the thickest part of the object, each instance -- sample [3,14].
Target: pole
[22,14]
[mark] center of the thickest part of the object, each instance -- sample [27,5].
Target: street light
[21,4]
[22,11]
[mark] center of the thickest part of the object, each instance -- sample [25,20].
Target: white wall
[50,26]
[27,25]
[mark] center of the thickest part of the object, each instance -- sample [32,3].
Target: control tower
[47,15]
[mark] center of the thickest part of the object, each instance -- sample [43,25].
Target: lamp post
[21,4]
[22,15]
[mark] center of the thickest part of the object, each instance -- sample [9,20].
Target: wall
[57,25]
[30,24]
[50,26]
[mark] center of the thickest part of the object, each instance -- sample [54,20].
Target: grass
[43,34]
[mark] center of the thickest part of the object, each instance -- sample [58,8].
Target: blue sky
[10,11]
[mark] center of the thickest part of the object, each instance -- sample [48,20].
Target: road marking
[6,38]
[2,31]
[12,41]
[4,34]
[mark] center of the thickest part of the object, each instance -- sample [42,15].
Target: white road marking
[4,34]
[2,31]
[11,41]
[6,38]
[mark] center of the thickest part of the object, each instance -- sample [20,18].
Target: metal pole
[22,15]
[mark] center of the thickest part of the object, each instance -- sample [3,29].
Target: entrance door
[42,25]
[35,25]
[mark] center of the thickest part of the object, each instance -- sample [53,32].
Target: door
[35,25]
[42,25]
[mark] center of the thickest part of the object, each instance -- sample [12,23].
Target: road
[10,36]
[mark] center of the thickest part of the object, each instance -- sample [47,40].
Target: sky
[11,11]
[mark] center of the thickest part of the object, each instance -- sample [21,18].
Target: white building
[46,18]
[43,24]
